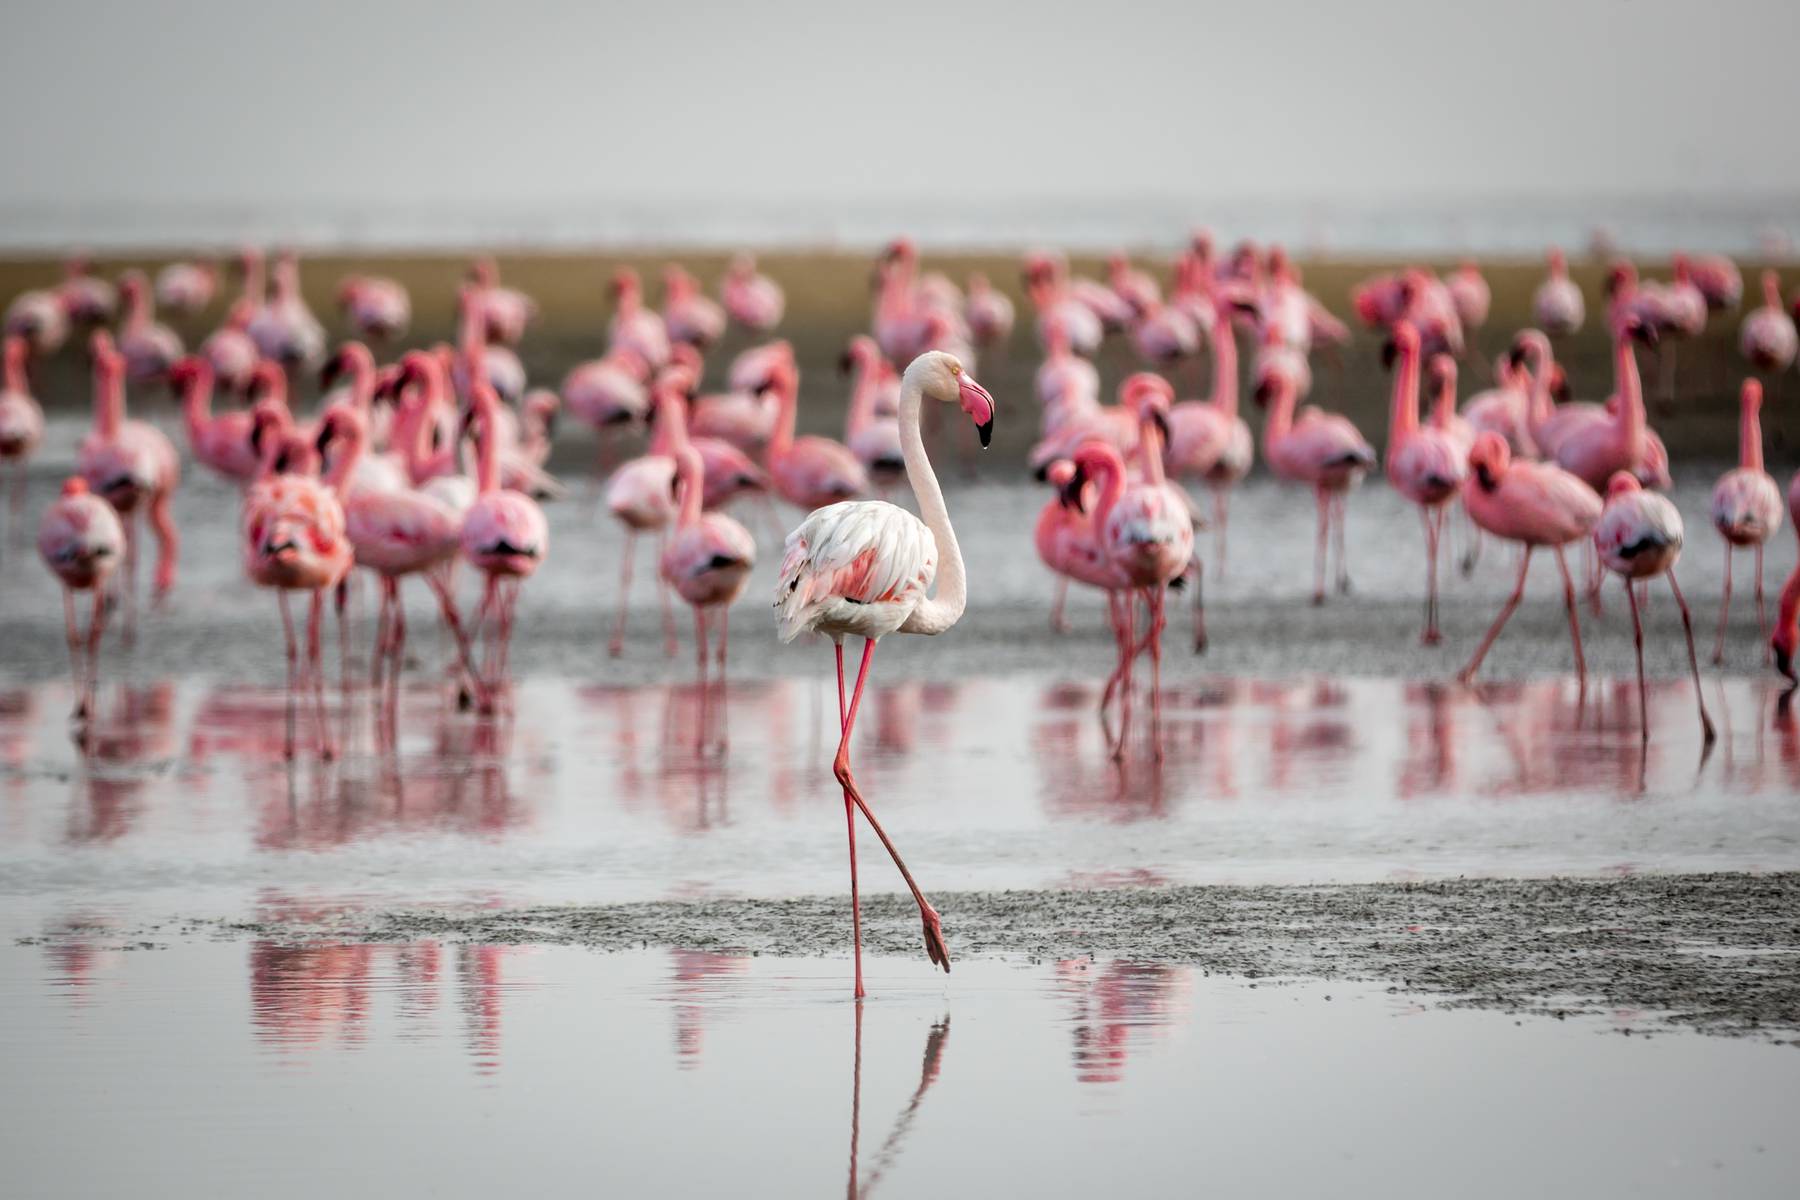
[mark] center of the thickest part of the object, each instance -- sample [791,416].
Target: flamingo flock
[435,463]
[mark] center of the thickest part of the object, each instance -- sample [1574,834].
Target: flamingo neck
[362,383]
[1787,624]
[17,352]
[692,474]
[1632,418]
[1110,480]
[943,610]
[787,399]
[109,400]
[487,450]
[138,308]
[350,452]
[1225,366]
[862,396]
[196,403]
[1771,290]
[1540,405]
[1403,418]
[1443,405]
[256,281]
[1750,444]
[1281,413]
[1150,445]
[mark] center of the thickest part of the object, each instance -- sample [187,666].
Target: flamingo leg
[1687,627]
[1339,508]
[1156,598]
[378,652]
[1467,674]
[96,626]
[1637,641]
[440,586]
[700,665]
[616,646]
[315,636]
[128,585]
[1324,503]
[396,659]
[1725,608]
[76,672]
[1199,577]
[662,594]
[1431,636]
[1562,564]
[935,948]
[1762,615]
[168,545]
[1058,622]
[293,655]
[1221,513]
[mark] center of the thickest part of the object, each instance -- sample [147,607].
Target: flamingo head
[1559,262]
[679,379]
[351,356]
[685,355]
[862,352]
[266,379]
[1621,279]
[940,375]
[1094,461]
[1443,375]
[625,283]
[1403,341]
[133,286]
[188,370]
[1559,385]
[1527,344]
[268,418]
[102,351]
[1489,458]
[1750,396]
[1622,483]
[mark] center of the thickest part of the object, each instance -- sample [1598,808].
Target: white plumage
[857,568]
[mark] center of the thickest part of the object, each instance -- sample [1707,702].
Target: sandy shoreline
[1713,953]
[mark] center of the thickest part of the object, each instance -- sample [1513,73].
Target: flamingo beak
[1071,492]
[979,404]
[1784,661]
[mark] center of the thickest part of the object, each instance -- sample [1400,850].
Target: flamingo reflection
[935,1041]
[1114,1004]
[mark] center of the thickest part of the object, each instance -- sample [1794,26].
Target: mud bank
[1716,953]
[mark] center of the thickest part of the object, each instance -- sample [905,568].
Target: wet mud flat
[1715,953]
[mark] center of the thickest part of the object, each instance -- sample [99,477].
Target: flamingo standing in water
[504,536]
[505,311]
[689,315]
[1536,504]
[81,541]
[988,313]
[808,472]
[86,298]
[133,466]
[230,350]
[150,347]
[294,540]
[1557,306]
[635,326]
[186,288]
[1746,508]
[751,299]
[872,435]
[284,328]
[21,418]
[376,307]
[641,497]
[220,442]
[1320,449]
[1639,537]
[1208,437]
[1425,464]
[1785,641]
[863,569]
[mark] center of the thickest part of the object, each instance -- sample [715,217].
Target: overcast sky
[534,102]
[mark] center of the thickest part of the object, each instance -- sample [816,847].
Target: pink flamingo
[230,350]
[1208,439]
[1424,463]
[634,325]
[1505,408]
[1066,383]
[872,436]
[186,288]
[1557,306]
[1320,449]
[132,466]
[988,312]
[1470,295]
[1164,335]
[21,419]
[221,442]
[1639,537]
[1136,289]
[86,298]
[37,316]
[1767,337]
[284,328]
[608,394]
[707,562]
[498,366]
[1067,539]
[688,314]
[1592,441]
[395,534]
[864,569]
[294,540]
[1060,313]
[808,471]
[150,348]
[1746,507]
[504,536]
[729,472]
[371,470]
[641,497]
[506,311]
[1535,504]
[1785,641]
[376,307]
[1719,281]
[81,541]
[751,299]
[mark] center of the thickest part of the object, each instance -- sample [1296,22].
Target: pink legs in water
[1434,519]
[1331,533]
[615,646]
[1637,638]
[934,932]
[1467,674]
[1762,616]
[84,651]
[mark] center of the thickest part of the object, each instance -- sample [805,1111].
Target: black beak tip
[1784,663]
[1389,351]
[986,431]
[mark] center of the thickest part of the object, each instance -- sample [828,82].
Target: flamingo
[504,536]
[988,312]
[394,533]
[86,298]
[1320,449]
[222,442]
[186,288]
[872,436]
[751,299]
[294,540]
[688,314]
[1136,289]
[1767,337]
[1425,463]
[1535,504]
[1163,334]
[81,541]
[150,347]
[808,472]
[608,393]
[1066,383]
[864,568]
[21,418]
[634,325]
[1746,507]
[1719,281]
[230,350]
[1069,543]
[707,561]
[498,366]
[506,311]
[1470,295]
[1208,438]
[1785,641]
[284,328]
[1557,306]
[368,470]
[1505,408]
[1060,313]
[376,307]
[1639,537]
[133,466]
[641,497]
[1592,443]
[38,317]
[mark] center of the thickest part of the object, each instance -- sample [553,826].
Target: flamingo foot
[935,949]
[1318,599]
[1431,637]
